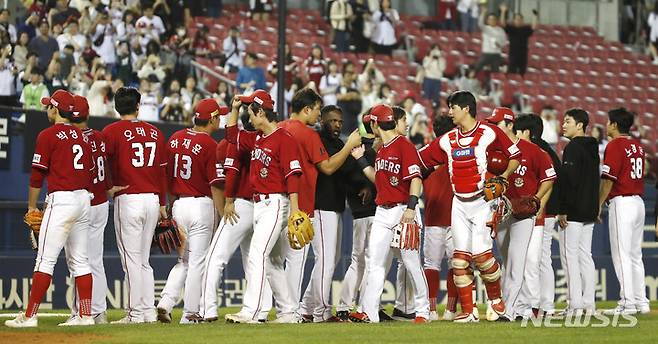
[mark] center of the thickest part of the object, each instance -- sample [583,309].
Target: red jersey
[315,70]
[623,163]
[438,198]
[273,158]
[396,164]
[466,155]
[98,154]
[63,152]
[192,165]
[236,165]
[311,152]
[137,153]
[535,168]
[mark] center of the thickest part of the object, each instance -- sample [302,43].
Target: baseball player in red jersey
[532,179]
[98,213]
[275,172]
[137,156]
[235,228]
[464,150]
[306,105]
[622,187]
[438,239]
[397,178]
[193,184]
[63,157]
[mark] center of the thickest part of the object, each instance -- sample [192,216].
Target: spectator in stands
[124,65]
[493,41]
[44,45]
[152,67]
[164,10]
[99,96]
[20,50]
[34,91]
[419,132]
[383,36]
[314,65]
[260,9]
[290,69]
[223,94]
[652,21]
[329,84]
[349,100]
[412,107]
[341,14]
[433,66]
[386,95]
[348,67]
[66,61]
[361,26]
[178,49]
[202,45]
[151,25]
[598,133]
[446,15]
[468,82]
[468,15]
[126,28]
[53,77]
[8,74]
[103,35]
[6,26]
[149,109]
[62,14]
[117,10]
[371,73]
[368,95]
[250,77]
[518,34]
[173,106]
[233,48]
[551,126]
[74,38]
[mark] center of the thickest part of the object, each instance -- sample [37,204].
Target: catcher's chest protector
[465,174]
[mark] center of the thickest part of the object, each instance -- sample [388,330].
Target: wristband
[363,162]
[413,201]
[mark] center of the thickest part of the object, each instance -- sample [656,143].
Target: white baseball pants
[576,246]
[437,243]
[173,290]
[547,275]
[469,225]
[626,225]
[531,290]
[135,219]
[516,265]
[356,270]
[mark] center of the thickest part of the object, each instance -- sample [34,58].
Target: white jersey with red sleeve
[466,155]
[192,165]
[137,153]
[98,153]
[63,153]
[535,168]
[623,163]
[396,164]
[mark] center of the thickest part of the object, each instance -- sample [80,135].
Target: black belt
[470,199]
[391,205]
[190,196]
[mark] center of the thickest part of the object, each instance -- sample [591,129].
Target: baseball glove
[33,220]
[494,188]
[525,207]
[406,236]
[502,208]
[300,230]
[166,236]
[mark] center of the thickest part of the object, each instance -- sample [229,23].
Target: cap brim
[46,101]
[246,99]
[366,118]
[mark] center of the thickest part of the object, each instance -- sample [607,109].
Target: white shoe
[100,319]
[84,320]
[476,311]
[644,309]
[188,319]
[127,320]
[466,318]
[434,316]
[449,316]
[150,316]
[620,310]
[22,321]
[290,318]
[239,318]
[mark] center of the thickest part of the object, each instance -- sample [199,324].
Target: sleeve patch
[36,158]
[513,149]
[294,165]
[413,169]
[605,169]
[229,161]
[550,172]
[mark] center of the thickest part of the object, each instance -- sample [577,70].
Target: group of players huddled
[480,181]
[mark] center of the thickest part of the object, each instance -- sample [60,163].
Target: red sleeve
[315,148]
[504,144]
[91,162]
[292,183]
[546,169]
[36,177]
[289,156]
[612,161]
[214,169]
[109,144]
[432,155]
[410,161]
[42,151]
[244,139]
[232,182]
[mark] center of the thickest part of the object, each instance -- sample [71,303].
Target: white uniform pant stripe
[354,275]
[576,244]
[547,275]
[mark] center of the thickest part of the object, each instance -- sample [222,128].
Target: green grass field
[646,331]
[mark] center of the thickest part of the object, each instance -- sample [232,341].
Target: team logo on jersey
[36,158]
[228,162]
[394,180]
[463,153]
[263,172]
[295,165]
[550,172]
[518,182]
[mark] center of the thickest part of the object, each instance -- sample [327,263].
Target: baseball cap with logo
[500,114]
[61,99]
[381,113]
[207,108]
[80,107]
[259,97]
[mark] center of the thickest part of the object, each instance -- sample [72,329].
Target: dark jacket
[553,206]
[579,180]
[331,190]
[358,181]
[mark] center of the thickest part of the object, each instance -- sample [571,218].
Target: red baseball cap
[381,113]
[61,99]
[207,108]
[260,97]
[80,107]
[500,114]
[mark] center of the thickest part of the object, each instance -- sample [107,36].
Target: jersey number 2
[138,149]
[636,168]
[185,166]
[77,151]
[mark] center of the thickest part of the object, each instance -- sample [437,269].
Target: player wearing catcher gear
[464,150]
[397,220]
[306,106]
[275,171]
[622,187]
[63,157]
[137,156]
[193,179]
[578,210]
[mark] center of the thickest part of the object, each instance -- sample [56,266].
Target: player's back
[438,197]
[191,163]
[624,163]
[63,152]
[136,151]
[98,152]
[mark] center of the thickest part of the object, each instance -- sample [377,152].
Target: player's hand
[163,212]
[354,139]
[230,215]
[113,190]
[236,103]
[598,217]
[358,152]
[562,220]
[408,216]
[365,195]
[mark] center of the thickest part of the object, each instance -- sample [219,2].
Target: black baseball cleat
[402,316]
[383,316]
[164,316]
[343,315]
[307,319]
[503,318]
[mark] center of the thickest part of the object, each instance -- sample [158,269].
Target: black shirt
[357,182]
[518,37]
[579,180]
[330,190]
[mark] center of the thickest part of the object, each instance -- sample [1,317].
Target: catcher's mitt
[494,188]
[525,207]
[502,208]
[300,230]
[33,220]
[406,236]
[166,236]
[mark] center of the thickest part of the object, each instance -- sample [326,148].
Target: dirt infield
[50,337]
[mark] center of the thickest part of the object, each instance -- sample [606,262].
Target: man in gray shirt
[44,45]
[493,41]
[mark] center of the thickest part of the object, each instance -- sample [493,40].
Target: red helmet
[496,162]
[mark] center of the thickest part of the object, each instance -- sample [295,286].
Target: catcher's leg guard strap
[489,272]
[463,273]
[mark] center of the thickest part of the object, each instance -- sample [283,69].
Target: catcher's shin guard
[463,276]
[489,272]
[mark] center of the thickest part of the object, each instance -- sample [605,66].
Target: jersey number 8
[636,168]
